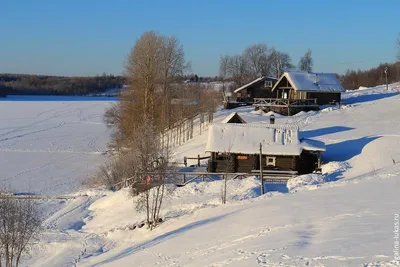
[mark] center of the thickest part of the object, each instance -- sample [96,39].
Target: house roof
[246,139]
[312,82]
[253,82]
[231,116]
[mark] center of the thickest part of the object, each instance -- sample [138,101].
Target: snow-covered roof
[233,114]
[246,138]
[312,82]
[253,82]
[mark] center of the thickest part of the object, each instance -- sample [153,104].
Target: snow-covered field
[48,145]
[346,217]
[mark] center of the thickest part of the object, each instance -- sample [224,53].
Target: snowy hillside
[346,217]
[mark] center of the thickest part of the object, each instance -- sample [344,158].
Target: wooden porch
[285,106]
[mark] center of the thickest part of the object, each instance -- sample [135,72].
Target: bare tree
[152,166]
[257,60]
[398,47]
[280,62]
[306,62]
[238,69]
[173,65]
[223,72]
[20,225]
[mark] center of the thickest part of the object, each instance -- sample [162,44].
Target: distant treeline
[353,79]
[57,85]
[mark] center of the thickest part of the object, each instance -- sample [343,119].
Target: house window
[271,161]
[239,94]
[268,84]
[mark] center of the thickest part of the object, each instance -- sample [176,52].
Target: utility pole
[261,171]
[386,73]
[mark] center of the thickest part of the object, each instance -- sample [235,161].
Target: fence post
[184,178]
[198,160]
[185,161]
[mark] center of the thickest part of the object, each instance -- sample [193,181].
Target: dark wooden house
[259,88]
[301,91]
[325,88]
[235,148]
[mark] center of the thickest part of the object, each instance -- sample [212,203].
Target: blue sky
[91,37]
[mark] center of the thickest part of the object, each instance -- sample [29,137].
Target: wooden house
[259,88]
[245,95]
[236,148]
[302,91]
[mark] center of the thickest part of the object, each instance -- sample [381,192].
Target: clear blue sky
[82,37]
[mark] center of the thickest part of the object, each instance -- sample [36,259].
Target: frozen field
[49,145]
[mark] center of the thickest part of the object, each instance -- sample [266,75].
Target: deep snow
[343,218]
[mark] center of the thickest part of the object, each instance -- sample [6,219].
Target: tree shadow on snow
[159,239]
[324,131]
[367,98]
[347,149]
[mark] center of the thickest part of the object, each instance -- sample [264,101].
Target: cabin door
[285,94]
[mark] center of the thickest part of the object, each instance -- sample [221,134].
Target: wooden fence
[183,178]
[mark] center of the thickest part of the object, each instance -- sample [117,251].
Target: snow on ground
[49,144]
[343,218]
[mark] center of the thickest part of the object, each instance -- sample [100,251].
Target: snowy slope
[48,145]
[347,221]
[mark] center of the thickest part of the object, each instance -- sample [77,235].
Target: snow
[50,144]
[246,139]
[344,217]
[305,81]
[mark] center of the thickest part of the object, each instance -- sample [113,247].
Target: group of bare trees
[20,225]
[258,60]
[255,61]
[155,113]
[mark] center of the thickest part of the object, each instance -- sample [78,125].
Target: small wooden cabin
[236,148]
[233,118]
[324,88]
[259,88]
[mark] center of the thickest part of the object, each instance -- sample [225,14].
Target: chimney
[316,78]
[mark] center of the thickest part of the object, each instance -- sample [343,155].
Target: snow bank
[305,181]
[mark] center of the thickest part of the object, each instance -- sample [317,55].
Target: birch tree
[398,48]
[257,60]
[20,225]
[280,62]
[306,62]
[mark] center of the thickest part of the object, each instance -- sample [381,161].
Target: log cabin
[325,88]
[258,88]
[297,91]
[235,148]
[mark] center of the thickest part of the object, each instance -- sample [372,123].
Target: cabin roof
[246,138]
[263,78]
[231,116]
[312,82]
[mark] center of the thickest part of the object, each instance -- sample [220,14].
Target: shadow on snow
[367,98]
[159,239]
[324,131]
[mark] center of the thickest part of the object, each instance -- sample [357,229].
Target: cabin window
[271,161]
[268,84]
[239,94]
